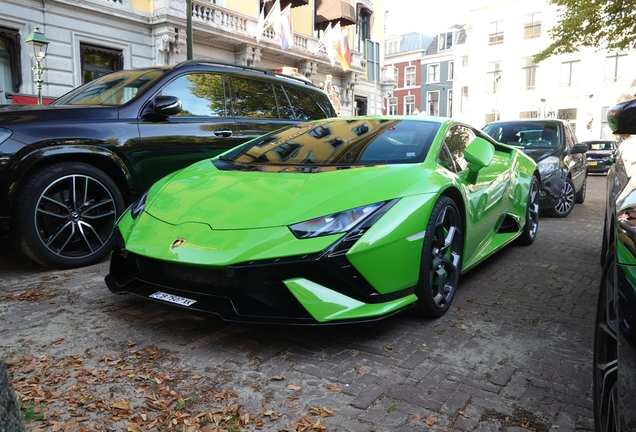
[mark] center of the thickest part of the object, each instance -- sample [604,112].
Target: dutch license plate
[172,298]
[591,163]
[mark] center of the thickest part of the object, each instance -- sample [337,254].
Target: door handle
[223,133]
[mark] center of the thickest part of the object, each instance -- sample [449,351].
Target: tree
[601,24]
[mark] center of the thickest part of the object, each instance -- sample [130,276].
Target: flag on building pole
[343,52]
[271,20]
[327,42]
[286,28]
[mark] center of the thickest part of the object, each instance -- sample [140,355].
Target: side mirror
[478,153]
[580,148]
[167,105]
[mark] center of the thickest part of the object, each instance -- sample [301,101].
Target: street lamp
[36,45]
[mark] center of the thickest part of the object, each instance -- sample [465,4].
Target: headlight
[548,166]
[138,206]
[335,223]
[4,134]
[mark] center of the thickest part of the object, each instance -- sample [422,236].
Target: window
[372,56]
[255,99]
[305,107]
[392,106]
[450,103]
[570,72]
[451,70]
[463,100]
[495,35]
[98,61]
[396,75]
[615,67]
[363,28]
[532,26]
[494,75]
[433,73]
[409,105]
[464,61]
[393,47]
[529,69]
[457,139]
[432,103]
[529,114]
[444,41]
[201,94]
[409,73]
[10,76]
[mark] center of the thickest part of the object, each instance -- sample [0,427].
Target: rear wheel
[65,215]
[605,373]
[531,228]
[441,259]
[566,200]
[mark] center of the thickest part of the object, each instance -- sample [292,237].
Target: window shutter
[372,57]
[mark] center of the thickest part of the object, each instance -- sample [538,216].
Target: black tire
[65,214]
[605,368]
[441,259]
[531,228]
[566,200]
[604,242]
[580,195]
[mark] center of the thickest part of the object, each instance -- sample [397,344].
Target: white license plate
[172,298]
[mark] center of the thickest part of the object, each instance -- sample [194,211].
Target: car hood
[540,154]
[243,200]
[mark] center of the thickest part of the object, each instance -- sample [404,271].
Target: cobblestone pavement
[513,354]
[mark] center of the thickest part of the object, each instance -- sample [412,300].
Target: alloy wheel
[74,216]
[566,200]
[533,210]
[606,357]
[445,257]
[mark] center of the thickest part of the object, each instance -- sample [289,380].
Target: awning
[24,99]
[333,11]
[284,3]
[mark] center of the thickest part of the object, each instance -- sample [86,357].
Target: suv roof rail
[241,67]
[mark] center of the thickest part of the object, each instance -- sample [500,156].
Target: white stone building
[88,38]
[495,76]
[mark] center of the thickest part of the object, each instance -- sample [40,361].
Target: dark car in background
[600,155]
[614,371]
[69,169]
[559,156]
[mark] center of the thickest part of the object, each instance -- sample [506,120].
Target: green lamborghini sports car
[326,222]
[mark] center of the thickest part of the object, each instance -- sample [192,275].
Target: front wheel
[65,214]
[566,200]
[580,195]
[441,259]
[605,372]
[529,233]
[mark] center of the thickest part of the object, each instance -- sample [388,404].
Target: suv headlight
[334,223]
[548,166]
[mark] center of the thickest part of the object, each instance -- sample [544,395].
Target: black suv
[559,157]
[69,169]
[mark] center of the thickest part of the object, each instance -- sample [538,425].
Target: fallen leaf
[416,417]
[429,420]
[461,308]
[331,387]
[277,378]
[122,405]
[58,341]
[462,413]
[463,327]
[197,377]
[293,387]
[389,347]
[134,428]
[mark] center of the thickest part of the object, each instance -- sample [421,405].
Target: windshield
[336,142]
[602,145]
[525,134]
[113,89]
